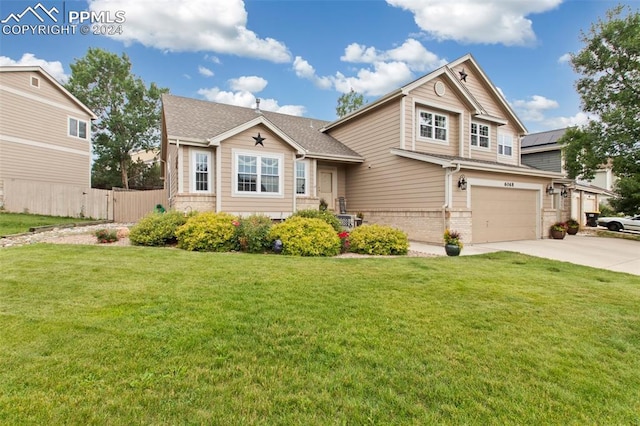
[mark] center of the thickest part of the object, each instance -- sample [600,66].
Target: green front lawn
[131,335]
[16,223]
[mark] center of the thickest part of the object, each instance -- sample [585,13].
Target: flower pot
[557,235]
[452,249]
[572,231]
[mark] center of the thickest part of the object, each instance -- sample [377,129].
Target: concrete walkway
[613,254]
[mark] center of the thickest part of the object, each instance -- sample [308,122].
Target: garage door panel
[503,214]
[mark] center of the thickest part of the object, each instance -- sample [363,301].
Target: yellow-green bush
[208,232]
[302,236]
[378,240]
[325,215]
[157,229]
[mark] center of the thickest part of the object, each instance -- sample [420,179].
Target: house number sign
[509,184]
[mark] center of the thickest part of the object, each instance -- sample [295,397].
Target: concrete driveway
[613,254]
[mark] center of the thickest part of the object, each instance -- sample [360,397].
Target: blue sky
[298,57]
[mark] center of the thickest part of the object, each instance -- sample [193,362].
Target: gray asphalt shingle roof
[201,120]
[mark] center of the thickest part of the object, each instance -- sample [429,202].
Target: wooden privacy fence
[130,206]
[77,201]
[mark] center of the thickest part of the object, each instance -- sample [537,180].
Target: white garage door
[503,214]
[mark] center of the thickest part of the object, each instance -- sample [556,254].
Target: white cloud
[386,70]
[54,68]
[196,25]
[272,105]
[472,21]
[212,58]
[564,58]
[251,84]
[245,98]
[304,70]
[535,108]
[411,52]
[205,71]
[385,77]
[242,98]
[579,119]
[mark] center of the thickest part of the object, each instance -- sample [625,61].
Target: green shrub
[325,215]
[378,240]
[252,233]
[157,229]
[208,232]
[106,235]
[607,211]
[302,236]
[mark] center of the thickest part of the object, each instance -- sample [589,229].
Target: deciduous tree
[128,111]
[349,102]
[609,86]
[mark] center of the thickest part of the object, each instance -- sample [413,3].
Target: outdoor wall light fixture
[564,193]
[462,183]
[550,190]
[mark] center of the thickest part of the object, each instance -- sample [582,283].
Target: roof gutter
[470,165]
[341,158]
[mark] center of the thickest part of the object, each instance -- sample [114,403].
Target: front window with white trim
[479,135]
[301,177]
[432,126]
[258,173]
[201,171]
[505,144]
[78,128]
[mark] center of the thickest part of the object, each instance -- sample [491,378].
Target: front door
[327,180]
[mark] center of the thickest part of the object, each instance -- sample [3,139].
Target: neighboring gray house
[542,151]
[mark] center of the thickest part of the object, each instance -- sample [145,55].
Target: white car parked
[620,223]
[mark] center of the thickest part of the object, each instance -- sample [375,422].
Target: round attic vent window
[439,88]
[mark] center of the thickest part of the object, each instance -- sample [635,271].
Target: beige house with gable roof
[442,151]
[45,131]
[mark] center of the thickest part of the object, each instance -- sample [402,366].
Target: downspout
[447,192]
[179,161]
[295,194]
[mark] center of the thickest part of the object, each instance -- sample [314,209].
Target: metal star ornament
[259,140]
[463,75]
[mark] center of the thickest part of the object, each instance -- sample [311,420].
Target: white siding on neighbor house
[385,181]
[34,132]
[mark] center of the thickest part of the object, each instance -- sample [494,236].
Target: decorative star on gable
[259,140]
[463,75]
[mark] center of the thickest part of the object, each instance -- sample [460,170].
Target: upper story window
[505,144]
[432,126]
[258,174]
[479,135]
[78,128]
[201,171]
[301,177]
